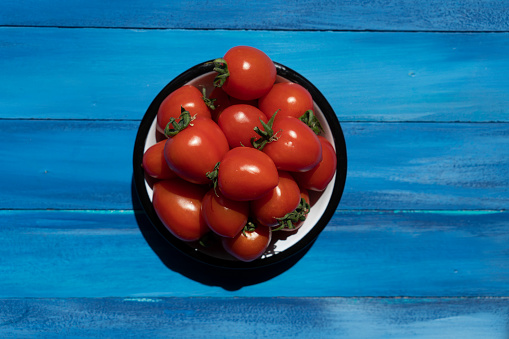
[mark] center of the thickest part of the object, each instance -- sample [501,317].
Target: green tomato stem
[293,218]
[266,135]
[213,176]
[176,126]
[209,102]
[221,67]
[312,121]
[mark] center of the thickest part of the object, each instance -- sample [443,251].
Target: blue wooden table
[418,247]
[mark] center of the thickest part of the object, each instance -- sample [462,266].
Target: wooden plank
[256,317]
[433,15]
[88,165]
[69,254]
[66,164]
[115,74]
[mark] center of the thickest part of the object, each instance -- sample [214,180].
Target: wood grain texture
[360,253]
[432,15]
[115,74]
[88,165]
[255,318]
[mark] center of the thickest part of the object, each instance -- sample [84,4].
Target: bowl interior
[284,243]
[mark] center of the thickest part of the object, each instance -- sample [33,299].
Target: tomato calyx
[291,219]
[209,102]
[213,176]
[267,135]
[221,67]
[249,227]
[310,119]
[184,120]
[207,240]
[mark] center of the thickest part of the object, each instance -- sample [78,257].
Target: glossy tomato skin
[195,150]
[246,173]
[317,178]
[178,205]
[252,73]
[288,99]
[238,123]
[186,96]
[224,216]
[154,163]
[221,101]
[248,246]
[283,199]
[297,147]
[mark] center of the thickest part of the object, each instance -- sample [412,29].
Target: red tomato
[186,96]
[238,123]
[246,173]
[221,101]
[296,147]
[224,216]
[249,244]
[318,177]
[196,149]
[178,205]
[290,99]
[250,73]
[154,163]
[283,199]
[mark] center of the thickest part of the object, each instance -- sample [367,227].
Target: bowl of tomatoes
[240,161]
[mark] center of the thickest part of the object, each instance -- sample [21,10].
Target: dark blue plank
[360,253]
[88,165]
[432,15]
[115,74]
[256,317]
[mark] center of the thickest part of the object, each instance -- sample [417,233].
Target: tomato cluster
[238,163]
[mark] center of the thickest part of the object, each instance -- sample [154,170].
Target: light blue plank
[432,15]
[118,253]
[115,74]
[88,165]
[256,318]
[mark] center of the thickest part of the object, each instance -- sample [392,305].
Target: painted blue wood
[115,74]
[67,254]
[424,212]
[62,164]
[431,15]
[256,318]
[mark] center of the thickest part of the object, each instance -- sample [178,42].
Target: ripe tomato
[196,149]
[186,96]
[249,244]
[178,205]
[296,147]
[283,199]
[154,163]
[238,123]
[245,73]
[288,99]
[224,216]
[221,101]
[318,177]
[245,173]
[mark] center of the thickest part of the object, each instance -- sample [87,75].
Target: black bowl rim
[303,243]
